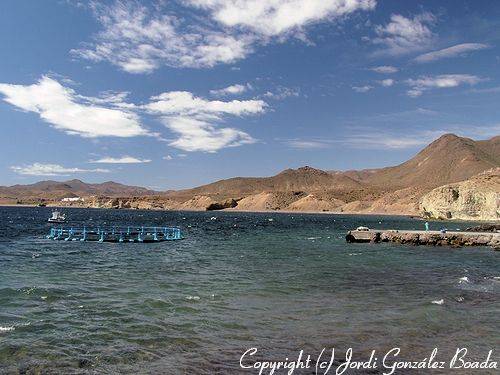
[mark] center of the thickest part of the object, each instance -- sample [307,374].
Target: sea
[239,291]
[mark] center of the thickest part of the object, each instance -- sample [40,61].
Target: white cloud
[167,157]
[139,40]
[40,169]
[199,135]
[403,35]
[385,69]
[120,160]
[275,17]
[387,82]
[196,120]
[362,89]
[459,49]
[65,110]
[185,103]
[110,115]
[424,83]
[231,90]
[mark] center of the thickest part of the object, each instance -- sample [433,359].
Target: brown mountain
[448,159]
[290,180]
[56,190]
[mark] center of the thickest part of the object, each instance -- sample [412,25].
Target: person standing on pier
[426,226]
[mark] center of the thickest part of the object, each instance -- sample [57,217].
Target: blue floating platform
[116,234]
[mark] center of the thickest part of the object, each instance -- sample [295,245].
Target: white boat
[57,217]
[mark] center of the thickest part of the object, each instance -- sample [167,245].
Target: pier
[116,234]
[434,238]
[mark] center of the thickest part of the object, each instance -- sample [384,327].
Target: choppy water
[240,281]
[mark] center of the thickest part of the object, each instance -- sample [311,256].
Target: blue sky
[173,94]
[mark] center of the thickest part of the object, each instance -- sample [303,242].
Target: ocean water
[278,282]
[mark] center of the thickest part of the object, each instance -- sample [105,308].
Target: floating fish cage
[116,234]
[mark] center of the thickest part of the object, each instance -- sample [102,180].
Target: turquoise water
[279,282]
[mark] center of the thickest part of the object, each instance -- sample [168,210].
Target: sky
[175,94]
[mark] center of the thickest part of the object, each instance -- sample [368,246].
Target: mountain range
[396,189]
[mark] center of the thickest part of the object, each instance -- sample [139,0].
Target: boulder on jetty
[228,203]
[484,228]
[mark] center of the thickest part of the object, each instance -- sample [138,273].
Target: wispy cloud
[362,89]
[420,85]
[139,40]
[231,90]
[65,110]
[281,93]
[458,50]
[385,69]
[403,35]
[378,139]
[120,160]
[486,90]
[40,169]
[307,144]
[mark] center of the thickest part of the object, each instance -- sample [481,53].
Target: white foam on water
[354,254]
[464,279]
[196,298]
[6,329]
[438,302]
[43,297]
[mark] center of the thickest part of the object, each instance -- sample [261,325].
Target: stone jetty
[434,238]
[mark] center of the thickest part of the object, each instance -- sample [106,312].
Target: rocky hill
[477,198]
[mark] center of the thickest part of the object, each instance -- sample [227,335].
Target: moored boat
[57,217]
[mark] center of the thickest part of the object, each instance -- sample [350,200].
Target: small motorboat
[57,217]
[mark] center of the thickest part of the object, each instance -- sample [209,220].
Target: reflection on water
[239,281]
